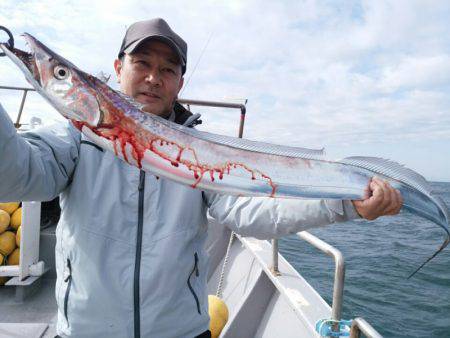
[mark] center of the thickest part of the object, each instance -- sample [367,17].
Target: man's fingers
[389,196]
[384,200]
[393,205]
[381,193]
[396,202]
[377,190]
[392,208]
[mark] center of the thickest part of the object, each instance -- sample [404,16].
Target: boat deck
[30,311]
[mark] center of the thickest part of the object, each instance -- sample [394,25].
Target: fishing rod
[196,64]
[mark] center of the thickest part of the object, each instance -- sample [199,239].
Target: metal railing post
[220,105]
[22,104]
[241,122]
[274,267]
[339,272]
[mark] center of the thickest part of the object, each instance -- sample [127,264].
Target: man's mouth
[151,95]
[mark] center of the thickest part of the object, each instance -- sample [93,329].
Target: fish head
[69,90]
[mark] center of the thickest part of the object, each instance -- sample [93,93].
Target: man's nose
[153,77]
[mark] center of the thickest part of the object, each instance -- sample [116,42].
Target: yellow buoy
[2,259]
[18,236]
[218,313]
[16,219]
[4,221]
[9,207]
[14,258]
[7,242]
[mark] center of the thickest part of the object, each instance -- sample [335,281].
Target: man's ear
[118,68]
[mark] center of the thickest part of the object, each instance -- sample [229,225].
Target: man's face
[152,76]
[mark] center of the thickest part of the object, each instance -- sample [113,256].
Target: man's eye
[169,70]
[141,62]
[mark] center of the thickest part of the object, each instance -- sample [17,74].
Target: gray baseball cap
[157,29]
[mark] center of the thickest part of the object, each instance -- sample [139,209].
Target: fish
[207,161]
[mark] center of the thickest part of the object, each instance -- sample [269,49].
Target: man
[129,254]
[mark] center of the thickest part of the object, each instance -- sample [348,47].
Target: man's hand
[383,200]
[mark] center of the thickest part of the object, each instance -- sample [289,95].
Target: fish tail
[447,240]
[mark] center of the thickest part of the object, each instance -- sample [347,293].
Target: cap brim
[135,45]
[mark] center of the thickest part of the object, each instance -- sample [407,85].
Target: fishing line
[198,61]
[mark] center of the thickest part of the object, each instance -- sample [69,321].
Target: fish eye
[61,72]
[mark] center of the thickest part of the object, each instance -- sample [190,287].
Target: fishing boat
[265,295]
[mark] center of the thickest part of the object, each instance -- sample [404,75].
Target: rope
[333,328]
[225,262]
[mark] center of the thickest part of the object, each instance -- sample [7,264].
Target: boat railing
[187,102]
[240,106]
[25,90]
[339,271]
[359,325]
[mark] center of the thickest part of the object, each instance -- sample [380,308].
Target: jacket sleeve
[265,218]
[36,165]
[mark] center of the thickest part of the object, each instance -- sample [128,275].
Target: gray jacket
[129,253]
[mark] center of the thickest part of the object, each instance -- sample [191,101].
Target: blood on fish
[118,133]
[180,151]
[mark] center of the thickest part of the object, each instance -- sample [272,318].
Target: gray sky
[356,77]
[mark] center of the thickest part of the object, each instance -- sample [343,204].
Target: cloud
[417,72]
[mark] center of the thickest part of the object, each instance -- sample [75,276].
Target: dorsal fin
[244,144]
[234,142]
[391,169]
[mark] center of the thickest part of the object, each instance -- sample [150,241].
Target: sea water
[379,256]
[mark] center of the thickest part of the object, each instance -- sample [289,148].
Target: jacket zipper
[137,264]
[195,269]
[68,280]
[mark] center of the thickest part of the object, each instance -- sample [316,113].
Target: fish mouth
[26,61]
[38,64]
